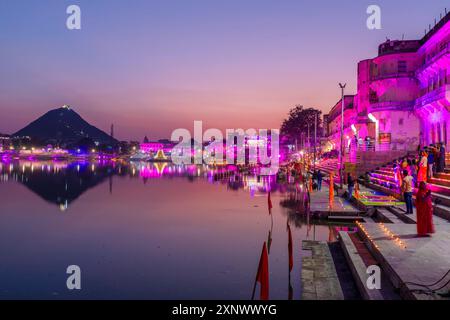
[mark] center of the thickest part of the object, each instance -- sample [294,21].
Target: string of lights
[395,238]
[366,234]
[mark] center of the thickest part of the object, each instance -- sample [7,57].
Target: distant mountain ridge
[63,126]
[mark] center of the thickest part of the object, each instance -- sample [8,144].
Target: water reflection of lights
[252,182]
[63,206]
[26,169]
[152,170]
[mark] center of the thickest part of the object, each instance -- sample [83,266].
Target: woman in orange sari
[424,208]
[423,165]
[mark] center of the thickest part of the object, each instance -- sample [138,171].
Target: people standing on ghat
[298,169]
[314,176]
[441,162]
[424,208]
[436,158]
[413,170]
[430,162]
[407,189]
[423,167]
[398,173]
[367,177]
[319,180]
[308,180]
[350,185]
[404,164]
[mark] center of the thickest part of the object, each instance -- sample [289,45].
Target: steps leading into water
[319,277]
[384,179]
[358,268]
[359,258]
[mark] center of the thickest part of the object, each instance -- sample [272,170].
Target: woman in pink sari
[424,208]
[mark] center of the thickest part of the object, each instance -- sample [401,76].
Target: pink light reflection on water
[171,238]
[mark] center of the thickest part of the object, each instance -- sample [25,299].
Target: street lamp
[316,114]
[341,149]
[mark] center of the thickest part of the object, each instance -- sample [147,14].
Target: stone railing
[392,105]
[435,95]
[389,75]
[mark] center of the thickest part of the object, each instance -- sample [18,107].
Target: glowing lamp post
[315,138]
[341,149]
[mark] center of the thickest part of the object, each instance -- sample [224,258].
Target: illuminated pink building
[403,96]
[334,122]
[432,107]
[151,147]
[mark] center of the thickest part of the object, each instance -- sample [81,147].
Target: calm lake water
[143,231]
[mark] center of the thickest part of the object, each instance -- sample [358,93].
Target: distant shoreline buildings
[403,96]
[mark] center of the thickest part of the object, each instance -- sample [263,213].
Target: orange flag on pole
[356,190]
[269,203]
[263,273]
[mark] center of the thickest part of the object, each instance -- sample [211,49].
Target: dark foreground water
[146,231]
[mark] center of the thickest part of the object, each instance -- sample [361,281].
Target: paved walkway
[423,261]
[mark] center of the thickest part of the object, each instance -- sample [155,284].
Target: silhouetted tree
[297,123]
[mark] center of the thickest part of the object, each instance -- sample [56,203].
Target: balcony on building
[433,59]
[392,105]
[337,109]
[439,94]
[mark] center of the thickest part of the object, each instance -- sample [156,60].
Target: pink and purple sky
[150,67]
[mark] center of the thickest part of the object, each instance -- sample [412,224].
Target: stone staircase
[357,163]
[329,166]
[383,179]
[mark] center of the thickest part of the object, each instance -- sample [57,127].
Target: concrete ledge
[357,267]
[394,278]
[319,277]
[442,212]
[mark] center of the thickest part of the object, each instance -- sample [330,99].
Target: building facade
[403,96]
